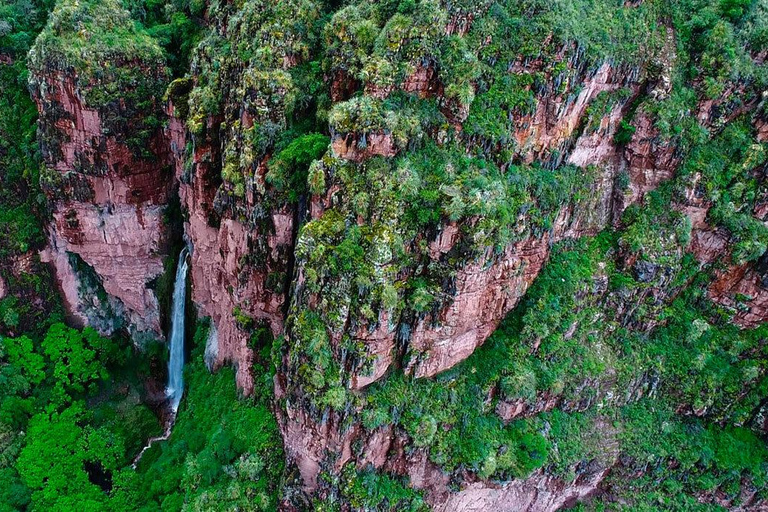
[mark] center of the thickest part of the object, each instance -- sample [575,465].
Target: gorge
[442,255]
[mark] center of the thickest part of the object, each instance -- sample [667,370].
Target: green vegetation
[725,165]
[31,299]
[118,67]
[224,452]
[354,267]
[368,490]
[20,201]
[73,417]
[612,318]
[288,169]
[260,56]
[87,34]
[175,25]
[569,339]
[70,415]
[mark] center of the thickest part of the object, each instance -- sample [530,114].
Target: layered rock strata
[108,178]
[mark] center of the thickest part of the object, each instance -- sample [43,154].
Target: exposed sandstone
[221,284]
[538,493]
[650,159]
[557,116]
[123,244]
[359,147]
[485,291]
[708,245]
[107,204]
[742,288]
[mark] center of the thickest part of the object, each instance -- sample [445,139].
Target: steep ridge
[108,175]
[458,155]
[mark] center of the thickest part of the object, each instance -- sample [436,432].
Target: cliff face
[418,300]
[383,256]
[241,225]
[108,178]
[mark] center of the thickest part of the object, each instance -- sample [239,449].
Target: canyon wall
[107,176]
[405,238]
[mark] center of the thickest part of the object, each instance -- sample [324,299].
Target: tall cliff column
[242,207]
[98,83]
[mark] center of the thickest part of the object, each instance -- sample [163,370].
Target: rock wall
[251,259]
[107,204]
[225,285]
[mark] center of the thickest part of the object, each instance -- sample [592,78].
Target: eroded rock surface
[108,203]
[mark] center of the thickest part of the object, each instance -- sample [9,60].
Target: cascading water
[175,388]
[176,362]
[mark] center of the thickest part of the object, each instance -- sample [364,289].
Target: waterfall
[175,387]
[176,362]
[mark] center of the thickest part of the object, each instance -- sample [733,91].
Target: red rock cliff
[107,194]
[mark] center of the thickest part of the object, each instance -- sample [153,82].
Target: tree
[53,462]
[78,358]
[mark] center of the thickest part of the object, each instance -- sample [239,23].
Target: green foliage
[565,335]
[52,464]
[624,133]
[445,416]
[21,371]
[175,25]
[20,227]
[78,358]
[735,10]
[492,113]
[362,114]
[250,59]
[89,35]
[20,199]
[374,491]
[288,169]
[66,429]
[602,106]
[224,452]
[726,166]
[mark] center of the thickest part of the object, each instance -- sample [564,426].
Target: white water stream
[175,388]
[176,362]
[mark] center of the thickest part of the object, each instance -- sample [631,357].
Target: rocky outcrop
[650,159]
[549,132]
[743,289]
[108,202]
[358,148]
[485,291]
[232,292]
[538,493]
